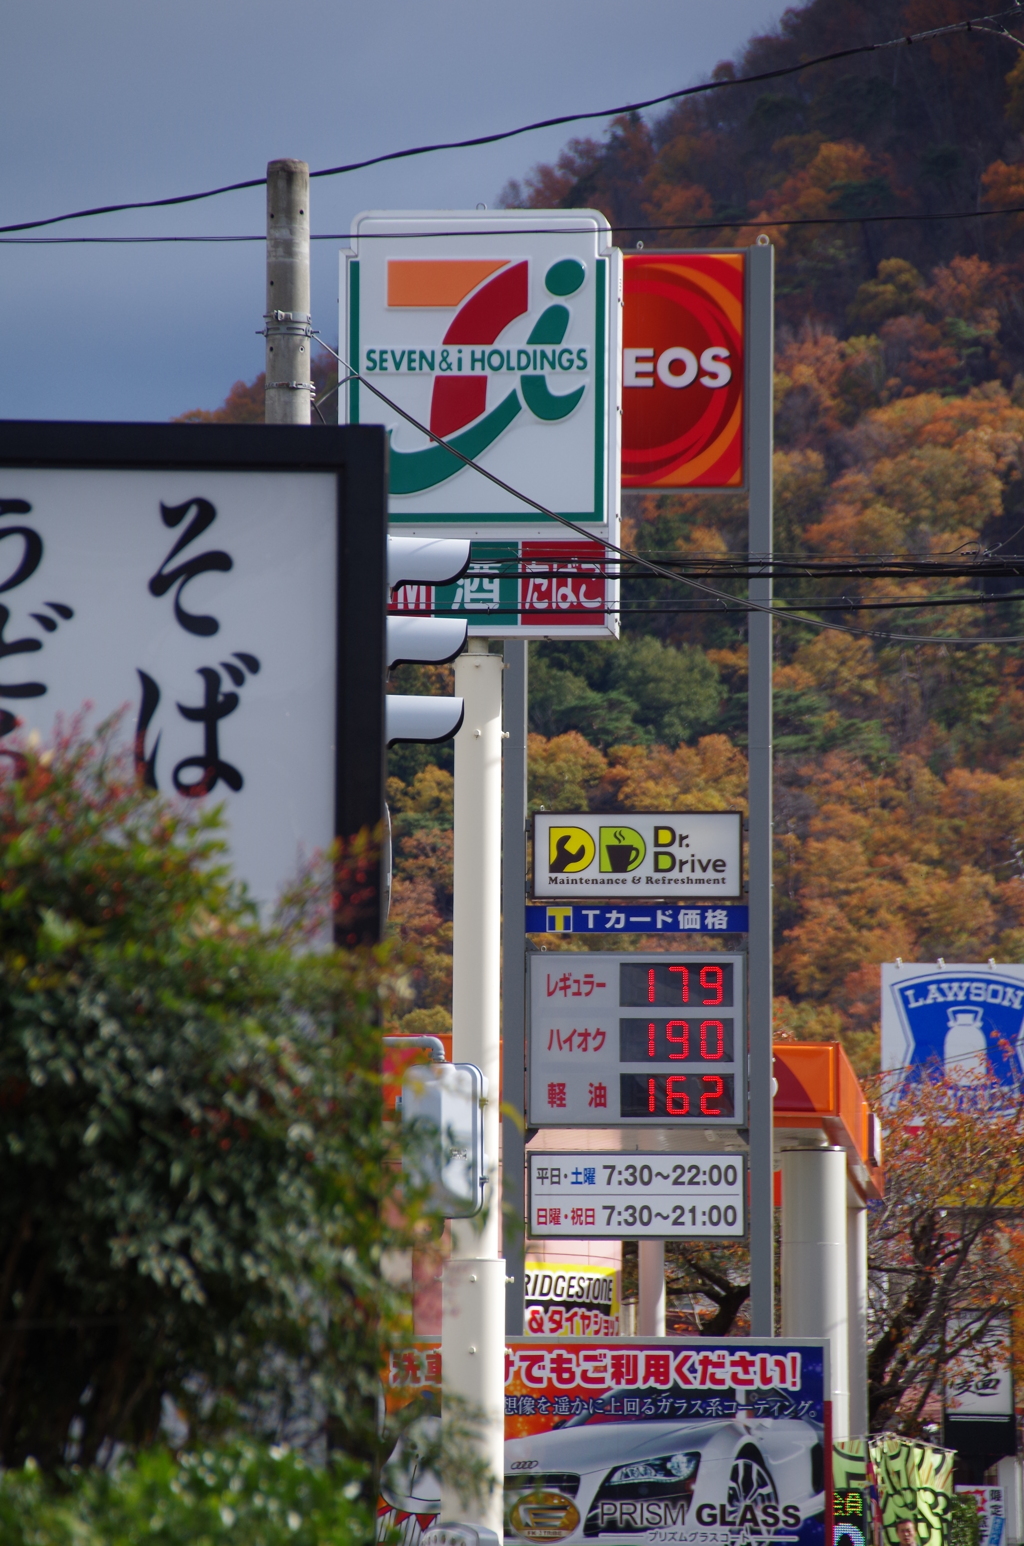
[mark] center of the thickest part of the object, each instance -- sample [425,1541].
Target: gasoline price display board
[635,1195]
[637,1040]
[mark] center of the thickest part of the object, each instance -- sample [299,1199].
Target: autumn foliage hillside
[899,430]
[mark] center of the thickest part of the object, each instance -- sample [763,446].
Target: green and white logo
[498,333]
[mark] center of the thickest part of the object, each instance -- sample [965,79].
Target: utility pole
[473,1316]
[287,321]
[761,346]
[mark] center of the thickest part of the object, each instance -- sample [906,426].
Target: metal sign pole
[760,347]
[513,979]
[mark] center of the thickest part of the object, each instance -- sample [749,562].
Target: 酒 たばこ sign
[684,325]
[499,332]
[525,590]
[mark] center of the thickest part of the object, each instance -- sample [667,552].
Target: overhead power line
[638,558]
[688,609]
[763,222]
[975,24]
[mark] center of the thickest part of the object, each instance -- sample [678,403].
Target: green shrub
[244,1493]
[963,1527]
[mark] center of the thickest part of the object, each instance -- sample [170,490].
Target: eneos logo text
[682,370]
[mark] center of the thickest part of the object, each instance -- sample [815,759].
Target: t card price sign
[637,1040]
[635,1196]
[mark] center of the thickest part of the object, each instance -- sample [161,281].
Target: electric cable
[975,23]
[763,222]
[563,520]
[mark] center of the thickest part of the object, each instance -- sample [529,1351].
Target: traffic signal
[415,566]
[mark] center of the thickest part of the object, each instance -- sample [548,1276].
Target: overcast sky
[129,99]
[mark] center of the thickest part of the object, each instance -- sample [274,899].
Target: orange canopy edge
[817,1088]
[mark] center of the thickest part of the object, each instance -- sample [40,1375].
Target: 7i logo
[487,297]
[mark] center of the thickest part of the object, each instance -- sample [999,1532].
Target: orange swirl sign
[682,370]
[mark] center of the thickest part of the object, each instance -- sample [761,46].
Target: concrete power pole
[287,319]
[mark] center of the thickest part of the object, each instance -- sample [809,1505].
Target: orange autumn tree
[945,1243]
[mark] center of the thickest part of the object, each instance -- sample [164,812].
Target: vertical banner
[991,1512]
[683,371]
[915,1487]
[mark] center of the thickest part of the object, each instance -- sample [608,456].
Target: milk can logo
[971,1016]
[480,300]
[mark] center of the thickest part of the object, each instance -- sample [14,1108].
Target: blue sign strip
[610,918]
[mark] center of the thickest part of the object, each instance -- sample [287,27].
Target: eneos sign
[683,370]
[498,332]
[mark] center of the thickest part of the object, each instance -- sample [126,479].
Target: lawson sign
[942,1016]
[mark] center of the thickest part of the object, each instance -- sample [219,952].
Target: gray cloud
[113,101]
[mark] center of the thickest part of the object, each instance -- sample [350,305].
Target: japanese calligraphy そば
[200,606]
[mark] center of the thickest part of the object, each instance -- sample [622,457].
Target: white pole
[287,320]
[857,1293]
[473,1319]
[651,1291]
[813,1261]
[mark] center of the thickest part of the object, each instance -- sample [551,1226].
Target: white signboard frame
[627,1195]
[979,1384]
[498,330]
[637,1040]
[638,856]
[224,588]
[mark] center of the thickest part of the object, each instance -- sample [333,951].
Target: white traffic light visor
[409,718]
[433,640]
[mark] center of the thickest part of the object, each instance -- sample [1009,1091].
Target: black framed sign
[225,587]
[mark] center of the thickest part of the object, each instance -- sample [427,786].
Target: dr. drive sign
[499,332]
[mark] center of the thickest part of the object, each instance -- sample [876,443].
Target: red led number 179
[710,980]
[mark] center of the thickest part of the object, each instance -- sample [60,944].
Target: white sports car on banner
[721,1482]
[727,1480]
